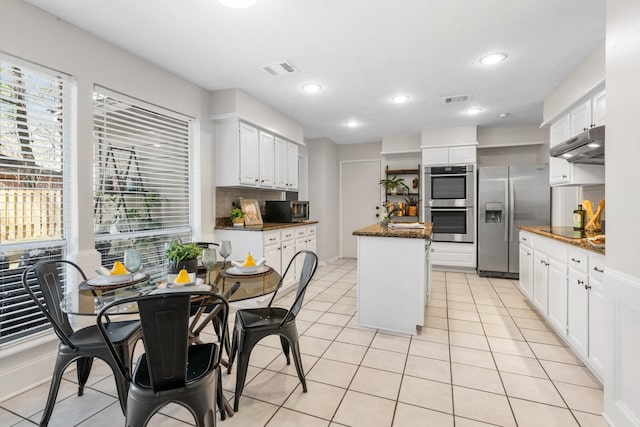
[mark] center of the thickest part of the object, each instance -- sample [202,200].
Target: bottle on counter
[578,219]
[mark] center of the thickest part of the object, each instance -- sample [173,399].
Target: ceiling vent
[454,99]
[279,68]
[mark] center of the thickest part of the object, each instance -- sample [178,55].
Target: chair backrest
[165,333]
[50,278]
[309,266]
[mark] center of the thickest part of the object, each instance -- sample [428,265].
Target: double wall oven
[449,202]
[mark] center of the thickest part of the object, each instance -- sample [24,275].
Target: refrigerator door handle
[512,207]
[506,194]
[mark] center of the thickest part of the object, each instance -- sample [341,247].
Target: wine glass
[132,261]
[225,250]
[209,261]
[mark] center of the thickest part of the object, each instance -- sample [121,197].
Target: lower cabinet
[458,255]
[567,289]
[525,262]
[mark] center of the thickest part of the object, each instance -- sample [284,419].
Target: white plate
[238,272]
[114,280]
[199,287]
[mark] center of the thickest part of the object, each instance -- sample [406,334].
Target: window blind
[141,177]
[34,143]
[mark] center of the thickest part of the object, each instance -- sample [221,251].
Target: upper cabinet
[584,115]
[463,154]
[250,157]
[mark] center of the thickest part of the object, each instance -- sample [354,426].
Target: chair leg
[285,348]
[297,360]
[241,369]
[61,364]
[83,370]
[233,352]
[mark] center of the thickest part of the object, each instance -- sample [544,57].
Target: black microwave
[286,211]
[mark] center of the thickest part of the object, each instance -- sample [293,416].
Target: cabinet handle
[580,282]
[598,270]
[262,180]
[575,260]
[587,287]
[564,176]
[524,238]
[528,254]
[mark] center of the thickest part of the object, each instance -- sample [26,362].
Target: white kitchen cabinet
[458,255]
[540,281]
[281,164]
[557,295]
[525,264]
[247,156]
[597,315]
[454,155]
[266,158]
[578,312]
[584,115]
[292,166]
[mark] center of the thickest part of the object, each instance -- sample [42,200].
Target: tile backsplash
[225,197]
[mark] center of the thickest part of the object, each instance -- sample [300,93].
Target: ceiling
[362,52]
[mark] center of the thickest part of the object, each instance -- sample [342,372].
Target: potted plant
[183,255]
[237,217]
[412,205]
[394,184]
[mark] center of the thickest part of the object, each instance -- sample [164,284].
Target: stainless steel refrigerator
[508,197]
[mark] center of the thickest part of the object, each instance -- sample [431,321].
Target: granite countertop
[267,226]
[377,230]
[566,235]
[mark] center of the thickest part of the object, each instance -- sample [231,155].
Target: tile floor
[484,357]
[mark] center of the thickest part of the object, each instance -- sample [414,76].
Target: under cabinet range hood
[586,147]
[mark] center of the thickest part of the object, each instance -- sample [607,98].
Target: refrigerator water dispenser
[493,212]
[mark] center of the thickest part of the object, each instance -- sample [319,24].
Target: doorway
[360,198]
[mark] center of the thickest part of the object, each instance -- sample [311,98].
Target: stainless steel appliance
[586,147]
[449,202]
[286,211]
[508,197]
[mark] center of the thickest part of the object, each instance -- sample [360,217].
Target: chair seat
[118,332]
[200,360]
[261,317]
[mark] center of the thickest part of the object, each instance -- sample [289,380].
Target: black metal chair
[171,370]
[253,324]
[83,345]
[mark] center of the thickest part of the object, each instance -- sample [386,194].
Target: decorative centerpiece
[183,255]
[237,217]
[412,205]
[394,184]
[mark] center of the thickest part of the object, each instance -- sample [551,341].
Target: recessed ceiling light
[593,145]
[567,155]
[238,4]
[493,58]
[503,115]
[400,99]
[473,110]
[311,87]
[352,123]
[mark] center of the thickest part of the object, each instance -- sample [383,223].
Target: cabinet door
[557,282]
[288,251]
[272,256]
[435,156]
[525,262]
[281,163]
[267,150]
[311,243]
[559,169]
[540,282]
[301,245]
[597,326]
[599,109]
[249,154]
[578,315]
[580,118]
[292,166]
[463,154]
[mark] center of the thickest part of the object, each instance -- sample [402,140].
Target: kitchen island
[394,277]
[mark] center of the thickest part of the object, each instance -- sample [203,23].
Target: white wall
[401,143]
[324,195]
[441,137]
[622,150]
[589,74]
[33,35]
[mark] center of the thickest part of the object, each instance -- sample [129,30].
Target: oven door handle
[449,174]
[460,209]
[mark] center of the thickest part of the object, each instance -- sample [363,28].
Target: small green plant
[412,200]
[179,251]
[237,213]
[394,184]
